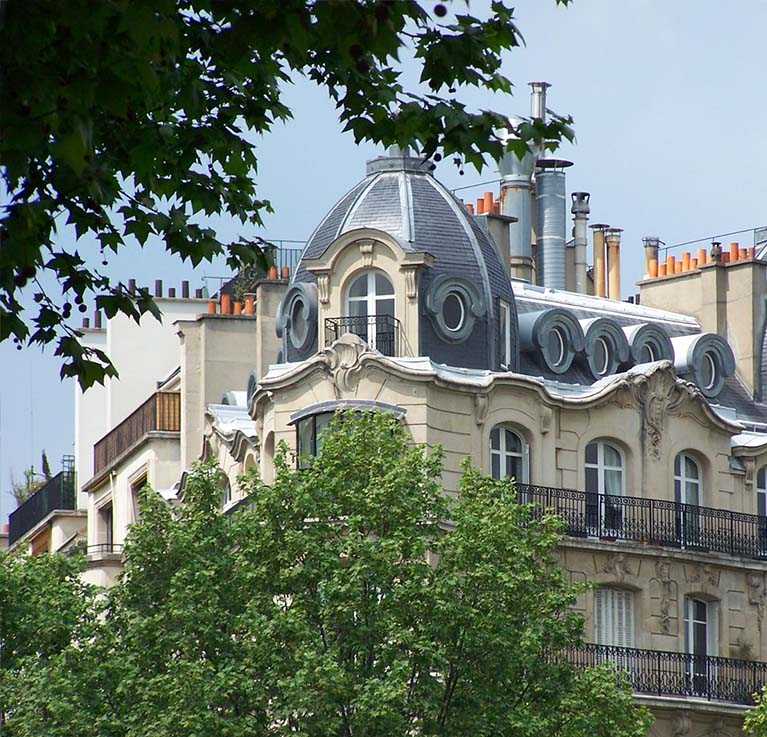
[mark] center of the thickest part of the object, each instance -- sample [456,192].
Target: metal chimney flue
[580,211]
[552,221]
[538,100]
[613,239]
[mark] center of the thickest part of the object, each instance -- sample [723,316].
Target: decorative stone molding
[480,408]
[411,273]
[658,395]
[546,419]
[343,362]
[757,597]
[680,726]
[702,574]
[665,590]
[367,248]
[750,463]
[323,287]
[618,565]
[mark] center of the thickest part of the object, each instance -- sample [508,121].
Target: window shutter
[601,616]
[614,617]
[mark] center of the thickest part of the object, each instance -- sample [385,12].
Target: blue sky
[669,116]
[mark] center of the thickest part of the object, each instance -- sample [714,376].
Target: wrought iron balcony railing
[381,332]
[662,673]
[162,411]
[652,521]
[58,493]
[104,549]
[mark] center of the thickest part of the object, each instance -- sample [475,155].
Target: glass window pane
[512,467]
[513,443]
[358,308]
[383,285]
[677,465]
[305,439]
[322,422]
[495,465]
[359,287]
[385,307]
[691,492]
[612,456]
[495,438]
[592,480]
[613,482]
[502,328]
[591,453]
[761,504]
[760,478]
[690,467]
[700,610]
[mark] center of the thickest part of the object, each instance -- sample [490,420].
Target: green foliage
[42,603]
[134,119]
[23,488]
[337,601]
[755,722]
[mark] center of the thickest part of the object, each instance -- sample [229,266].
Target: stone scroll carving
[666,591]
[343,363]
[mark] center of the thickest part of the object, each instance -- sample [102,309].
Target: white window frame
[371,300]
[505,310]
[601,467]
[712,625]
[614,617]
[502,453]
[683,480]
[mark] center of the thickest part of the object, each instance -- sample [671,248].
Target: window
[298,324]
[555,344]
[709,370]
[508,455]
[371,302]
[614,617]
[454,311]
[687,479]
[604,469]
[701,638]
[761,492]
[601,356]
[309,435]
[106,527]
[226,489]
[505,330]
[135,493]
[604,479]
[647,353]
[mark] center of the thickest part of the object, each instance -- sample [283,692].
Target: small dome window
[453,311]
[556,347]
[601,356]
[647,353]
[298,323]
[709,370]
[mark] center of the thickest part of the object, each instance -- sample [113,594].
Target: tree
[42,602]
[28,485]
[45,466]
[339,602]
[135,119]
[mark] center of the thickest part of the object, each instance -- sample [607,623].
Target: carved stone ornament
[663,575]
[750,464]
[717,729]
[323,287]
[366,251]
[680,726]
[618,565]
[410,273]
[547,418]
[658,394]
[757,597]
[343,361]
[702,574]
[480,408]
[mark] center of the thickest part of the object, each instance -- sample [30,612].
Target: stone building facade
[483,328]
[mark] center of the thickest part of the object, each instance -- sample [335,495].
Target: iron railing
[58,493]
[662,673]
[162,411]
[381,332]
[104,548]
[652,521]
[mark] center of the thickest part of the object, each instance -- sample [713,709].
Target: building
[484,328]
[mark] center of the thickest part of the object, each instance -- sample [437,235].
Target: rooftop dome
[400,196]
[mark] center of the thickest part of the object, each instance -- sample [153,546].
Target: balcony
[652,521]
[57,494]
[661,673]
[382,333]
[161,412]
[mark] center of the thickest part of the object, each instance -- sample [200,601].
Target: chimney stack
[538,100]
[600,271]
[580,211]
[651,249]
[613,238]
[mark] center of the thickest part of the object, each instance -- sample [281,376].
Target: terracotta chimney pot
[237,307]
[250,304]
[226,304]
[285,272]
[678,267]
[661,269]
[734,251]
[725,258]
[273,273]
[470,207]
[653,268]
[489,202]
[671,265]
[694,264]
[211,306]
[480,206]
[702,256]
[686,261]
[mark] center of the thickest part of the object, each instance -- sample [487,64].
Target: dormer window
[370,311]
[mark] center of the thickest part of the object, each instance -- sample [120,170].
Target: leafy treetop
[130,119]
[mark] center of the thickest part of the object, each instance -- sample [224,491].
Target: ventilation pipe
[538,100]
[600,260]
[613,238]
[516,202]
[580,211]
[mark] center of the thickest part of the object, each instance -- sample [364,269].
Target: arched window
[614,617]
[761,491]
[688,483]
[509,456]
[604,479]
[370,310]
[604,469]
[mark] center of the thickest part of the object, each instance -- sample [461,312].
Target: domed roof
[400,196]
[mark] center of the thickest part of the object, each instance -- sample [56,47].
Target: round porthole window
[453,312]
[709,370]
[647,354]
[601,356]
[556,346]
[298,326]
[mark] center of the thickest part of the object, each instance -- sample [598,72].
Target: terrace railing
[57,494]
[652,521]
[381,332]
[161,412]
[662,673]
